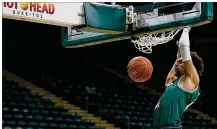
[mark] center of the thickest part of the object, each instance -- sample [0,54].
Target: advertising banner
[61,14]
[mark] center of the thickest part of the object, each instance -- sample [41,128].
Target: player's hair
[198,63]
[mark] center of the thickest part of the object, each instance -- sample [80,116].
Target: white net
[146,42]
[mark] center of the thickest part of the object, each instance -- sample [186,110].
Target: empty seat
[21,108]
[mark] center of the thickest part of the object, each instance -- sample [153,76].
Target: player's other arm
[190,72]
[171,75]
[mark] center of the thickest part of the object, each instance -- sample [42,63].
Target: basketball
[140,69]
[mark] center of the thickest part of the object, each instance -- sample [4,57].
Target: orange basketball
[140,69]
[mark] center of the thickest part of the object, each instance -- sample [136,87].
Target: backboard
[140,20]
[147,18]
[96,23]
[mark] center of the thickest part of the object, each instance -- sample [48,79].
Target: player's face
[179,67]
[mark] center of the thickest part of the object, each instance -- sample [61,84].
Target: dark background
[30,46]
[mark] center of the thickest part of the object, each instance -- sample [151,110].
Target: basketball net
[146,42]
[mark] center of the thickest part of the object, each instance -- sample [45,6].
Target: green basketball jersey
[172,104]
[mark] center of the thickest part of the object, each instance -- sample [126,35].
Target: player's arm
[190,71]
[171,75]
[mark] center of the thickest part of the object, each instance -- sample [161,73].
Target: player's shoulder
[186,84]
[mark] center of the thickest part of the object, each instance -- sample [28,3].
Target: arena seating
[112,99]
[26,110]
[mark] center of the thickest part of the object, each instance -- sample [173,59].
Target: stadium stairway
[59,102]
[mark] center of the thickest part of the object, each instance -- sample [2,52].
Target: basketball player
[182,86]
